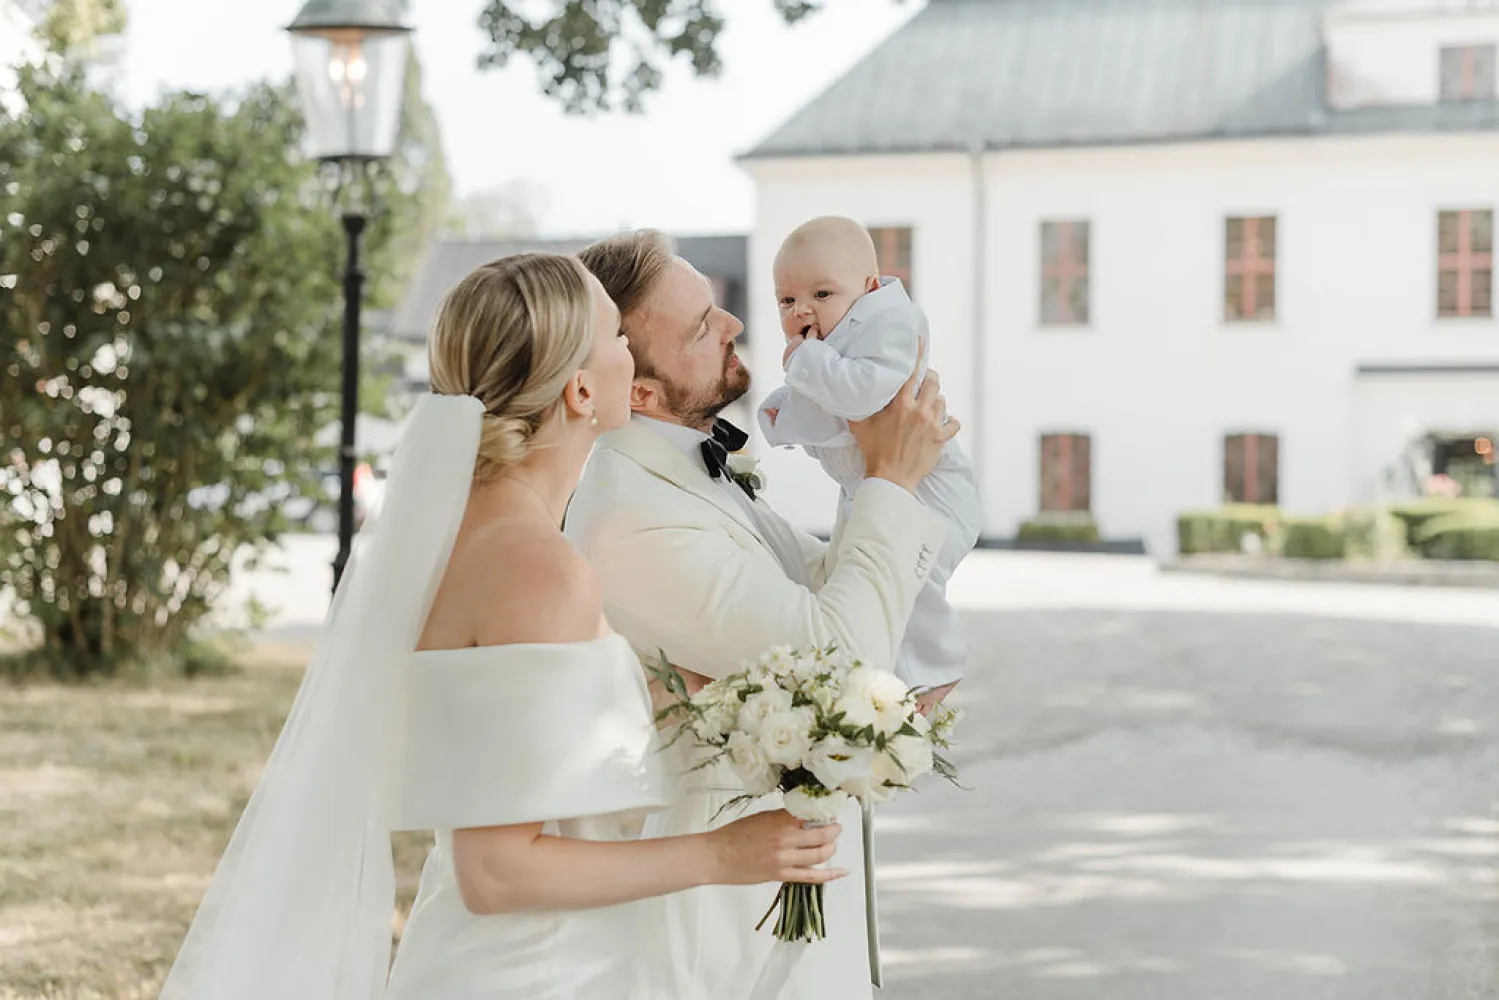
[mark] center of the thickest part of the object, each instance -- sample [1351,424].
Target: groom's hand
[903,442]
[929,700]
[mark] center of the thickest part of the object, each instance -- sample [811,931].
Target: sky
[671,167]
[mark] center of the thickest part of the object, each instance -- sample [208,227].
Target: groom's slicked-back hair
[629,266]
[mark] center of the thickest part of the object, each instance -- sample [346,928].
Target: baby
[852,340]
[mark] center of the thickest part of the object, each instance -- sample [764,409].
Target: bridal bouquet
[821,728]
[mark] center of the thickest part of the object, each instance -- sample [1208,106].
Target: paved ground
[1187,788]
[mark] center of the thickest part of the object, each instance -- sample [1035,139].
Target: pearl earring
[593,418]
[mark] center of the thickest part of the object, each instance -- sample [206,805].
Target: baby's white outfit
[850,375]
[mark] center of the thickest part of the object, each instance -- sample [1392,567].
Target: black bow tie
[723,439]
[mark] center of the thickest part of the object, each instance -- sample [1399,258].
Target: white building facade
[1172,254]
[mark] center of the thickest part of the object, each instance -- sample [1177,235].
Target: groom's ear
[644,395]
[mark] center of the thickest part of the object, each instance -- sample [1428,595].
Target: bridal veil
[300,906]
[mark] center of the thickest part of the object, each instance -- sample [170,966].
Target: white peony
[857,710]
[760,706]
[750,766]
[887,695]
[812,804]
[786,737]
[874,698]
[835,763]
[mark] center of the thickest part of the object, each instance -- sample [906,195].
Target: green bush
[1081,531]
[1374,533]
[1314,538]
[1223,530]
[1470,534]
[1414,514]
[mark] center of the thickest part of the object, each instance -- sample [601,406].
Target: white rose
[743,466]
[786,736]
[750,766]
[835,763]
[812,804]
[761,706]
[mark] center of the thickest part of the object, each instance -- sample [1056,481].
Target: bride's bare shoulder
[516,586]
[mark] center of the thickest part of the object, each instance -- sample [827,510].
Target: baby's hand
[772,413]
[792,343]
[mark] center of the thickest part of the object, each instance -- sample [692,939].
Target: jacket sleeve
[696,593]
[865,375]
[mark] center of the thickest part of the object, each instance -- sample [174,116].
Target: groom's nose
[732,328]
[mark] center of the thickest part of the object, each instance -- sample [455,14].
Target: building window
[1251,468]
[1066,473]
[1465,263]
[1249,269]
[892,244]
[1064,273]
[1468,72]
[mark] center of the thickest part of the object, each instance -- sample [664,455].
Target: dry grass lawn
[115,803]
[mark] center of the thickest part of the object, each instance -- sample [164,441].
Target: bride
[466,682]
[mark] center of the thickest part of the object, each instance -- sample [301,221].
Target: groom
[693,564]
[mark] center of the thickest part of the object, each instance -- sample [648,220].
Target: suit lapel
[665,461]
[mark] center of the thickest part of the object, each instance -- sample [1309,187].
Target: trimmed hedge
[1471,534]
[1223,530]
[1434,528]
[1314,538]
[1080,531]
[1415,514]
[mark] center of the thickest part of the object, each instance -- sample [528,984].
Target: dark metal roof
[997,74]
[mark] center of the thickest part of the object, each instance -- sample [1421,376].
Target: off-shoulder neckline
[612,637]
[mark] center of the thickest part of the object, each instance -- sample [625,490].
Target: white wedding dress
[703,944]
[517,734]
[382,737]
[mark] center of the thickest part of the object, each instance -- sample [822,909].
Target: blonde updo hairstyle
[511,335]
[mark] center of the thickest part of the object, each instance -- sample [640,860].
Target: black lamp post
[351,71]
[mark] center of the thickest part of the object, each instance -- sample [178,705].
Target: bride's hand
[773,847]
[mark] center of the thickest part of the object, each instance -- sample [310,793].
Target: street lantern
[350,58]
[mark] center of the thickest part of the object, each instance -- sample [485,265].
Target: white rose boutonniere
[745,471]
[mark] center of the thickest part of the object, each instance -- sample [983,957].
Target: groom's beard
[696,407]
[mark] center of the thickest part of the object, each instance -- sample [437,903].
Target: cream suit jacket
[685,570]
